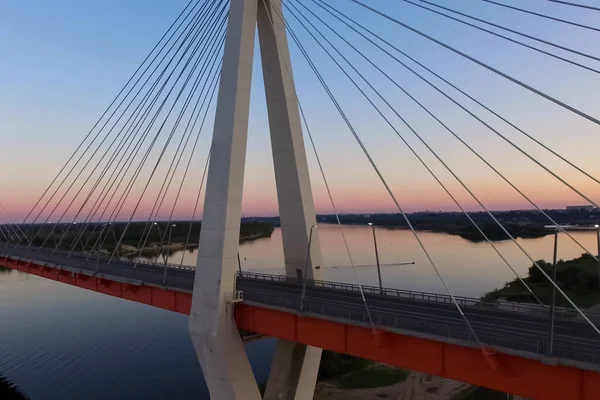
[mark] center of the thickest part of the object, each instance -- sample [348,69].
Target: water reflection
[471,269]
[61,342]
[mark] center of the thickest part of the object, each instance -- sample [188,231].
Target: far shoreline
[523,224]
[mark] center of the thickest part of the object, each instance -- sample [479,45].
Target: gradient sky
[64,61]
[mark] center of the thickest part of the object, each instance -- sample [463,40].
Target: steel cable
[481,63]
[414,152]
[459,105]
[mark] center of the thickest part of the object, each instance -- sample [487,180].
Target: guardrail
[159,265]
[523,308]
[99,257]
[584,351]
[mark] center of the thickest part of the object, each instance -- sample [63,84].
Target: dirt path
[417,386]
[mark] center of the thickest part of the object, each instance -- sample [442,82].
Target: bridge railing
[158,265]
[102,258]
[583,350]
[524,308]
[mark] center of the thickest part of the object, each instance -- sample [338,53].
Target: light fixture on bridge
[598,256]
[376,256]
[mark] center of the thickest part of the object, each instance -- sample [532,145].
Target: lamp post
[158,228]
[377,257]
[553,303]
[169,243]
[161,238]
[304,280]
[598,257]
[167,255]
[7,240]
[97,252]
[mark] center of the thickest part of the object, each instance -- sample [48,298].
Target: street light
[169,243]
[553,303]
[159,235]
[377,256]
[167,255]
[156,225]
[304,279]
[598,257]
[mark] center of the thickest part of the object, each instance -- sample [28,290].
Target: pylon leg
[217,342]
[294,368]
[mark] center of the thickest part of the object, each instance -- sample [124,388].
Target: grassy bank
[520,224]
[374,376]
[479,393]
[577,277]
[347,372]
[135,235]
[468,231]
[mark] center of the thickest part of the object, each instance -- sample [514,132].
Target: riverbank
[578,278]
[154,249]
[343,377]
[491,230]
[340,375]
[526,224]
[414,386]
[146,238]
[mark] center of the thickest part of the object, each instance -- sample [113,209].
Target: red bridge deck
[504,372]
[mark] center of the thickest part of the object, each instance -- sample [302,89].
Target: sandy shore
[417,386]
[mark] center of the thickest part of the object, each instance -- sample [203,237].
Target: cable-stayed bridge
[140,155]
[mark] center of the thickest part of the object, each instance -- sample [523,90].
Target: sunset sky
[64,61]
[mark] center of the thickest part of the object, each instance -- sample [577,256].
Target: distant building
[580,208]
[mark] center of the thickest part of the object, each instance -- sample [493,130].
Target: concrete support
[217,342]
[294,192]
[219,348]
[293,372]
[295,366]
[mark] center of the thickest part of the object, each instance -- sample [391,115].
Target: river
[60,342]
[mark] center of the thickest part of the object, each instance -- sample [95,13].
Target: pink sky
[48,109]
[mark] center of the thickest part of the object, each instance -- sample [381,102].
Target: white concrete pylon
[218,345]
[295,366]
[220,350]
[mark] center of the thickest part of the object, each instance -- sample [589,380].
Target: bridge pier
[293,371]
[216,340]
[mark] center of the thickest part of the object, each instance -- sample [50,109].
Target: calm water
[470,269]
[60,342]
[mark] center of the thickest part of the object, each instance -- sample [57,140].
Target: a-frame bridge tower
[217,342]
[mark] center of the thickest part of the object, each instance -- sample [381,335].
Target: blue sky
[64,61]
